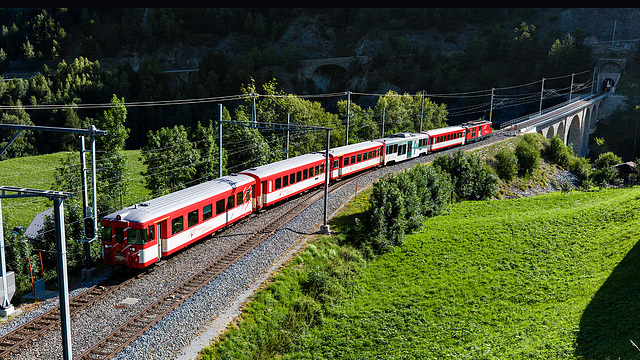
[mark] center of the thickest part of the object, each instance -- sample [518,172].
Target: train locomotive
[140,235]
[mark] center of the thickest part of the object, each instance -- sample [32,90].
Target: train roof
[400,137]
[347,149]
[279,166]
[163,205]
[448,129]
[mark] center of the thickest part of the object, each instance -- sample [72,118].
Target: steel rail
[145,319]
[19,337]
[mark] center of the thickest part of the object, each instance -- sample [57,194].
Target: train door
[409,152]
[160,241]
[263,195]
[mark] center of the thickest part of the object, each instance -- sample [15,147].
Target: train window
[219,207]
[152,232]
[285,180]
[105,234]
[177,225]
[206,212]
[346,161]
[239,199]
[359,157]
[299,176]
[292,179]
[317,170]
[335,163]
[137,236]
[353,159]
[119,235]
[304,174]
[321,168]
[192,218]
[231,202]
[278,183]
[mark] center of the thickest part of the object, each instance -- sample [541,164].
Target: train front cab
[138,244]
[477,130]
[128,244]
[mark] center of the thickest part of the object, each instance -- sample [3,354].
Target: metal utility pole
[6,306]
[58,198]
[491,107]
[254,114]
[571,89]
[348,115]
[288,122]
[541,93]
[220,143]
[383,110]
[422,110]
[325,227]
[90,219]
[90,213]
[86,212]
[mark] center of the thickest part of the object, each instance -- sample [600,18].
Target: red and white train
[140,235]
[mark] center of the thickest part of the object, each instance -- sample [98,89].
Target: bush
[580,167]
[399,203]
[607,159]
[507,164]
[556,152]
[471,177]
[528,155]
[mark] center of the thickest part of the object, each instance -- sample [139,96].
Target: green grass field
[38,172]
[550,277]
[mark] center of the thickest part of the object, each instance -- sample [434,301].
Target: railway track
[125,334]
[145,319]
[23,335]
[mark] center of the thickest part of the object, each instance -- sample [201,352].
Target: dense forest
[86,56]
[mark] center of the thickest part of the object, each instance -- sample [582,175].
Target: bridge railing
[544,111]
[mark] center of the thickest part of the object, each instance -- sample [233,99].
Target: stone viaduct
[574,120]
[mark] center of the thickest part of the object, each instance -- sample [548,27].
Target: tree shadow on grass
[611,321]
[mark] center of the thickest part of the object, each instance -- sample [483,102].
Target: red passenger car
[286,178]
[140,235]
[444,138]
[350,159]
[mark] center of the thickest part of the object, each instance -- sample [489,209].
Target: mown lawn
[38,172]
[550,277]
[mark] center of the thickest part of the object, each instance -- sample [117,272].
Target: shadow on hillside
[611,321]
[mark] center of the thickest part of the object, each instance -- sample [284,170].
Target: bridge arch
[550,132]
[560,132]
[574,134]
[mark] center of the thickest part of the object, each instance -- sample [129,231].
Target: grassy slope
[20,172]
[549,277]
